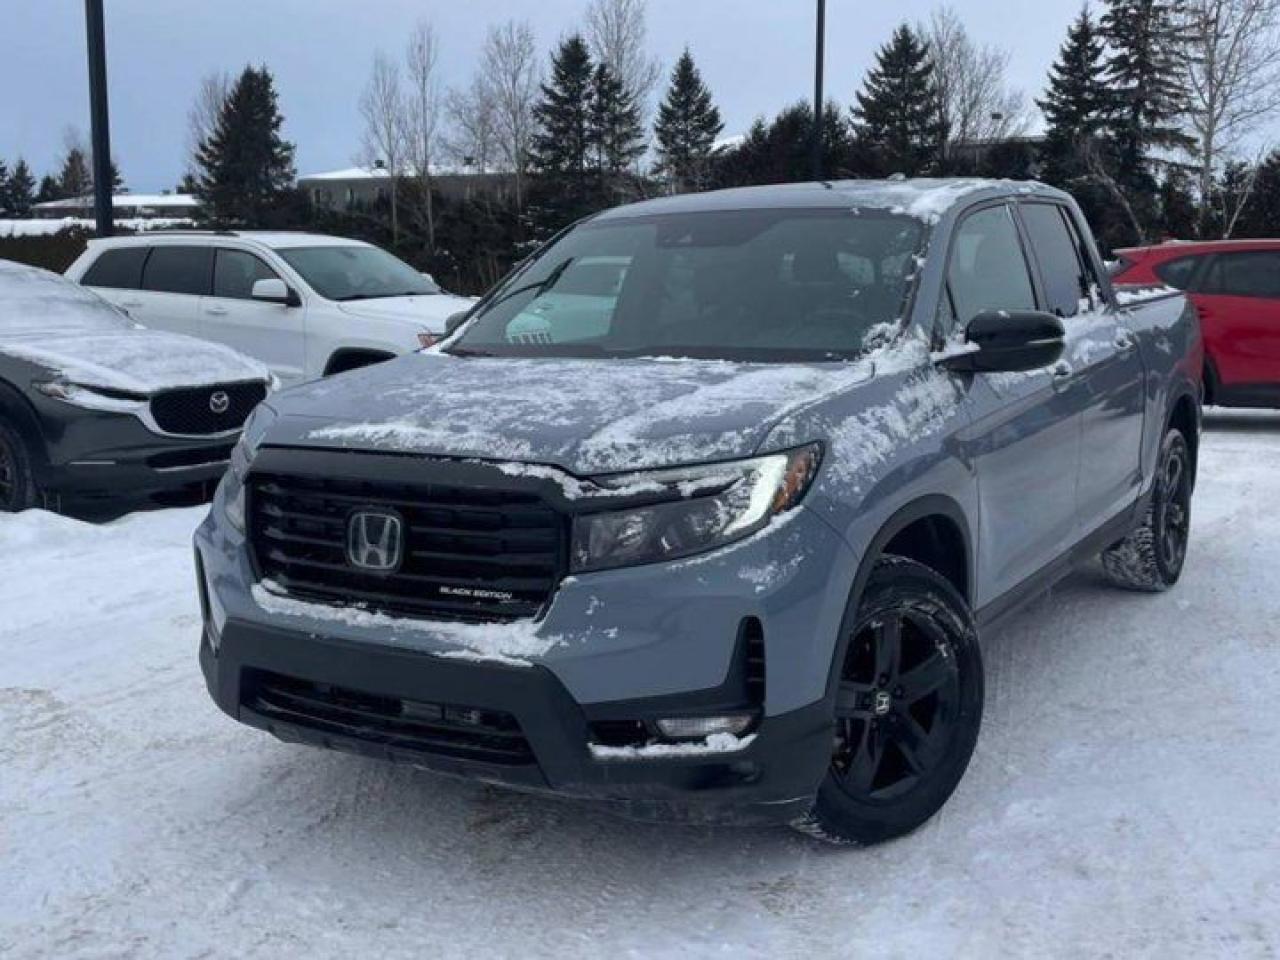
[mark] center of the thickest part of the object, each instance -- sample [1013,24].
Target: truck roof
[274,239]
[925,198]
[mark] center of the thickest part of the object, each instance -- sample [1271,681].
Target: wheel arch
[1184,414]
[930,527]
[17,410]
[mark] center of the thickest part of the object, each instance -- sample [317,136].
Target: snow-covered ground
[1124,799]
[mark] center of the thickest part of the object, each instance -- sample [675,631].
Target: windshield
[36,303]
[356,273]
[749,285]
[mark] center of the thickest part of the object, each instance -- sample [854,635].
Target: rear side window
[120,269]
[178,270]
[1065,284]
[1177,273]
[235,272]
[988,270]
[1245,275]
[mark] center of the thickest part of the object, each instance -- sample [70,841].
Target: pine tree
[1146,76]
[5,200]
[687,126]
[563,116]
[75,179]
[1076,104]
[898,112]
[245,166]
[617,137]
[780,151]
[21,189]
[49,189]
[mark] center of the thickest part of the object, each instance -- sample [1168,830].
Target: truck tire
[1150,559]
[18,488]
[908,708]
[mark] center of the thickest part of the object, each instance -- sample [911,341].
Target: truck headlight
[718,504]
[255,428]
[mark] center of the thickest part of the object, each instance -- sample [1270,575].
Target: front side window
[235,272]
[766,285]
[356,273]
[117,269]
[988,270]
[1065,282]
[172,269]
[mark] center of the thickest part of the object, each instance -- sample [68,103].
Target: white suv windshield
[356,273]
[753,285]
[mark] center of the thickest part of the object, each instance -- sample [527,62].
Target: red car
[1235,286]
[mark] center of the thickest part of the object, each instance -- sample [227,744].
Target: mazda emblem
[375,540]
[219,402]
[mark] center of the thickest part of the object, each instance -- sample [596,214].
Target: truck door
[1025,434]
[1103,351]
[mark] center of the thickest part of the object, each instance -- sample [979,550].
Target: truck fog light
[699,728]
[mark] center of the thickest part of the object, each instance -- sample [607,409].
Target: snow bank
[47,228]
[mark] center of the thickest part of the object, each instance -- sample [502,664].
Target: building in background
[125,206]
[355,188]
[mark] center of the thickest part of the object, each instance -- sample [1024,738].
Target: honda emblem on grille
[375,540]
[219,402]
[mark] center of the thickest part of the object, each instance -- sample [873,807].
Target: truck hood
[424,312]
[134,359]
[585,416]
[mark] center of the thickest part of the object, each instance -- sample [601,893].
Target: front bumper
[772,780]
[96,454]
[636,643]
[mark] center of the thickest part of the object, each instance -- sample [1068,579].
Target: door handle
[130,303]
[216,311]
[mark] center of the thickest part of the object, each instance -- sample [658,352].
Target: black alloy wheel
[907,706]
[896,705]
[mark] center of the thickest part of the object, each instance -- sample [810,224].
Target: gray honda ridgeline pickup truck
[700,512]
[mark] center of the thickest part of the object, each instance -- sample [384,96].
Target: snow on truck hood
[585,416]
[135,359]
[429,311]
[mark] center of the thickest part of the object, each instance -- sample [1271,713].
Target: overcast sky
[756,55]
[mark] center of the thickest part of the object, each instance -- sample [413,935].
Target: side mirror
[275,290]
[454,321]
[1009,341]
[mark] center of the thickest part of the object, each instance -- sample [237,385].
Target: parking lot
[1123,799]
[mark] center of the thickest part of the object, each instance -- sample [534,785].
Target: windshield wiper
[467,352]
[382,296]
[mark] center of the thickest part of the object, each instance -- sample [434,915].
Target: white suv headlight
[718,504]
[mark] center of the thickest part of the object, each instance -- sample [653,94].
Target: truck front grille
[472,554]
[468,733]
[200,411]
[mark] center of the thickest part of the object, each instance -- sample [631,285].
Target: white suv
[306,305]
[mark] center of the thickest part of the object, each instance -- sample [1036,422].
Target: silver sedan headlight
[712,506]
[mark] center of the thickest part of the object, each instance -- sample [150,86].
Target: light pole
[100,132]
[817,89]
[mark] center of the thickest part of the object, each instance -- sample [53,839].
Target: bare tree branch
[617,31]
[509,81]
[1233,79]
[422,117]
[976,100]
[202,118]
[383,109]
